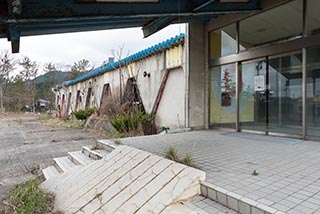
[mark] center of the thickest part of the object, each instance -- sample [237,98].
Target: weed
[84,114]
[20,121]
[28,198]
[187,160]
[119,135]
[45,117]
[118,142]
[171,154]
[255,173]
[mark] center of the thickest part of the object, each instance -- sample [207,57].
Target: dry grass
[29,198]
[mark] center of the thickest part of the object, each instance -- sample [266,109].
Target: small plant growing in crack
[255,173]
[171,154]
[187,160]
[118,142]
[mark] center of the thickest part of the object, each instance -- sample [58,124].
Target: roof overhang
[38,17]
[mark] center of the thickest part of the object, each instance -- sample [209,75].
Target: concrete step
[234,201]
[127,180]
[64,163]
[95,154]
[106,145]
[79,157]
[50,172]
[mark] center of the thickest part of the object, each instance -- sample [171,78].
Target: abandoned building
[246,71]
[258,72]
[156,75]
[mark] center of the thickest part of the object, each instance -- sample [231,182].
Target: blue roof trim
[173,42]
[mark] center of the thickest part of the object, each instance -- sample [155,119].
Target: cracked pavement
[26,145]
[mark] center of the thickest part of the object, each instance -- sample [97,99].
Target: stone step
[50,172]
[95,154]
[234,201]
[106,145]
[64,163]
[127,180]
[79,157]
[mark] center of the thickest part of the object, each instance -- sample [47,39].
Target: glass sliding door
[285,94]
[252,97]
[270,98]
[313,92]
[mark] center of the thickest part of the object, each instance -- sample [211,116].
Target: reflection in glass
[313,92]
[280,23]
[223,42]
[223,96]
[313,17]
[285,94]
[252,95]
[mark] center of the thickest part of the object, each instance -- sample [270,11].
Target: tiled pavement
[210,206]
[289,173]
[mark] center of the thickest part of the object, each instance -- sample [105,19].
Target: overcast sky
[95,46]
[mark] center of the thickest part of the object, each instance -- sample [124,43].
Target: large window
[281,23]
[223,42]
[313,92]
[313,17]
[223,99]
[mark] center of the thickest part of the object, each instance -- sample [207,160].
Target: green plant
[130,121]
[119,135]
[84,114]
[187,160]
[28,198]
[171,154]
[255,173]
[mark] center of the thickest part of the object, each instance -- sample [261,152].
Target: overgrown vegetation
[126,118]
[28,198]
[84,114]
[131,122]
[172,154]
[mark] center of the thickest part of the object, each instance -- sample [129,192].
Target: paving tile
[288,173]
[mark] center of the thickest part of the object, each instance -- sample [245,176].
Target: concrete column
[197,95]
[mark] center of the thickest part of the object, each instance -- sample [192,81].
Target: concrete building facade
[257,72]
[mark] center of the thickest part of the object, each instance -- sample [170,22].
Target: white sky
[95,46]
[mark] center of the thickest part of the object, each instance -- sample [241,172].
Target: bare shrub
[113,106]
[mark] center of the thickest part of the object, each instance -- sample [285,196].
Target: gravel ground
[27,145]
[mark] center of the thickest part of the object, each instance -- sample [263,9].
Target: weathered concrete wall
[171,109]
[197,104]
[155,65]
[149,87]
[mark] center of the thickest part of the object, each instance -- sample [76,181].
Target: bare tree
[118,56]
[29,72]
[7,65]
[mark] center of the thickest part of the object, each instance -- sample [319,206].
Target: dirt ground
[27,145]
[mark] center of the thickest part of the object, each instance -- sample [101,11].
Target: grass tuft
[255,173]
[28,198]
[187,160]
[171,154]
